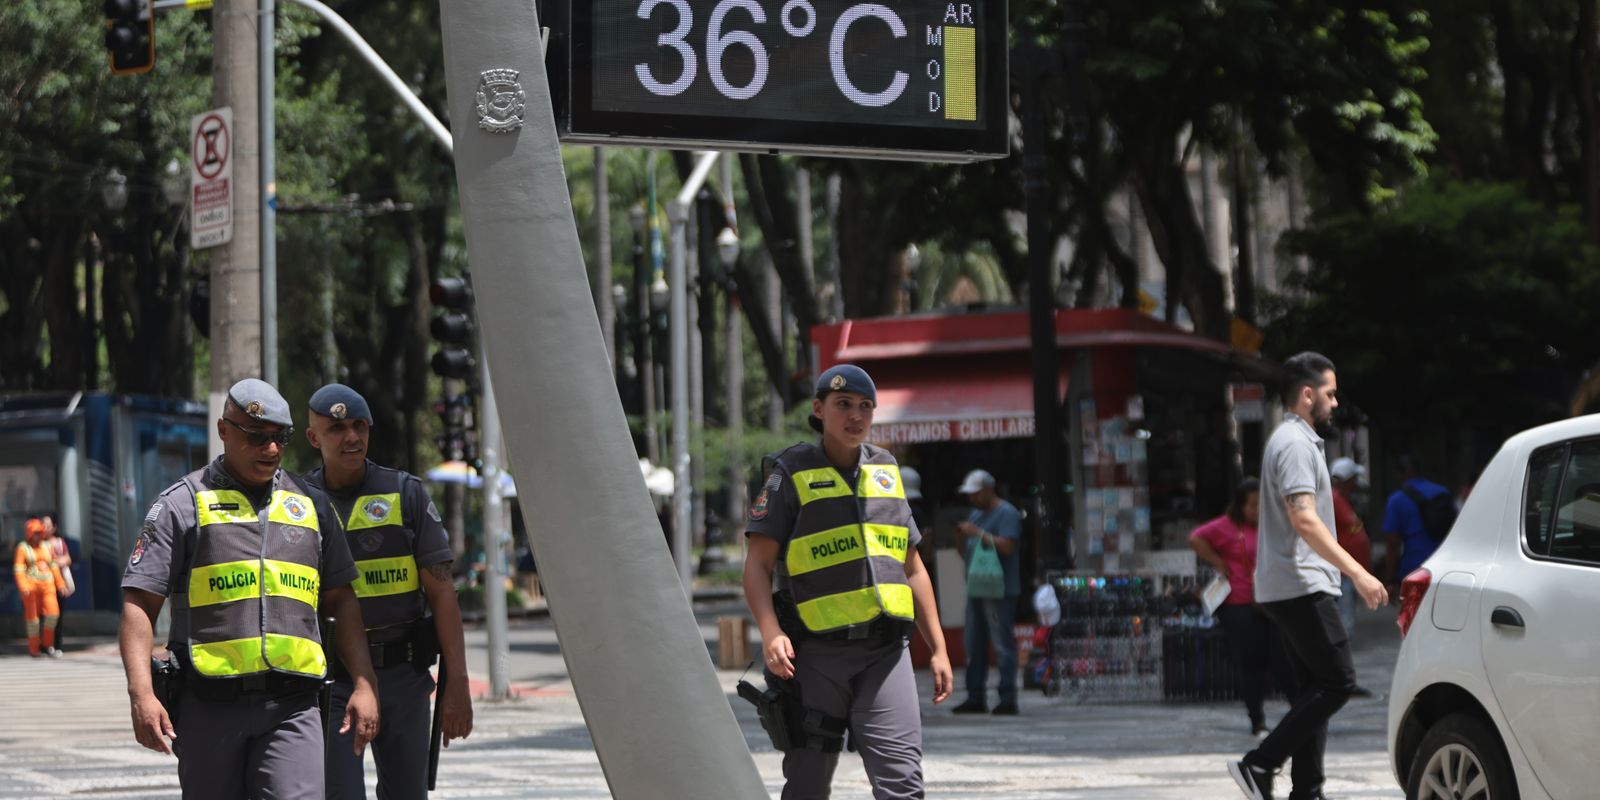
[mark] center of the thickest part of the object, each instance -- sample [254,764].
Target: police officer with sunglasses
[248,554]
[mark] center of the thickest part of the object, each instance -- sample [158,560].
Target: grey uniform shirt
[1287,567]
[160,560]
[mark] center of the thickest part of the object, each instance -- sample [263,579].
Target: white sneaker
[53,653]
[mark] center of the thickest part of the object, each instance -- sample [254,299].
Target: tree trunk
[59,297]
[1584,66]
[866,267]
[1191,277]
[1526,109]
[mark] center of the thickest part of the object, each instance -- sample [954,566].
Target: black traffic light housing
[453,328]
[130,36]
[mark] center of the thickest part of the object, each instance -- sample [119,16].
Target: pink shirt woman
[1228,544]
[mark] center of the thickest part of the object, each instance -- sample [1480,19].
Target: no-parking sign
[211,178]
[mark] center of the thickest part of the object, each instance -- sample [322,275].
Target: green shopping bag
[985,577]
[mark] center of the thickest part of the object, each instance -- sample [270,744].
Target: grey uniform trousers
[256,746]
[405,718]
[872,684]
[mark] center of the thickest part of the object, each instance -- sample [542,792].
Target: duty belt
[272,684]
[882,629]
[416,648]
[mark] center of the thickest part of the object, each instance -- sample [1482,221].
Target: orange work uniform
[38,578]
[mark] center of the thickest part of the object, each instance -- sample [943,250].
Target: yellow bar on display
[197,5]
[960,73]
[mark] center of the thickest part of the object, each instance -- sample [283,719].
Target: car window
[1538,510]
[1576,533]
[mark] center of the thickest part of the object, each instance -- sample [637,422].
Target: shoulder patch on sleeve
[154,513]
[433,513]
[762,505]
[143,542]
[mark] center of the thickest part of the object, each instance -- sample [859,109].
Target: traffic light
[453,328]
[130,36]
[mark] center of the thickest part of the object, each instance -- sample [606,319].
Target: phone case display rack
[1134,639]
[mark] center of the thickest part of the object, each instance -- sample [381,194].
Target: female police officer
[832,525]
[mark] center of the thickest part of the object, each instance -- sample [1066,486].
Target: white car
[1496,692]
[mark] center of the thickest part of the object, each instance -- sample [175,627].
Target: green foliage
[1458,301]
[723,452]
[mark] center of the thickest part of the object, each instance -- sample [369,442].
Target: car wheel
[1461,758]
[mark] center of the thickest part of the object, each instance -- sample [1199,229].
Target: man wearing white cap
[996,524]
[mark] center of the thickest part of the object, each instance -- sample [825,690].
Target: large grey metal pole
[494,551]
[236,266]
[632,646]
[602,255]
[267,55]
[678,283]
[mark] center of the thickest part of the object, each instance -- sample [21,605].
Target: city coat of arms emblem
[500,101]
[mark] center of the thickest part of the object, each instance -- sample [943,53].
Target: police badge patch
[759,509]
[884,479]
[370,541]
[376,509]
[138,547]
[500,101]
[295,509]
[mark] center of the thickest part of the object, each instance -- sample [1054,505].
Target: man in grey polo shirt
[1298,561]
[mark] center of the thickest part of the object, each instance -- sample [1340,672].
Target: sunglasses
[257,438]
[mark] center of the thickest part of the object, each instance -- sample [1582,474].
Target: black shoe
[972,707]
[1005,710]
[1359,691]
[1259,731]
[1255,782]
[1316,794]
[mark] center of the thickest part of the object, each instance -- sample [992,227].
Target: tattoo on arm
[441,571]
[1300,502]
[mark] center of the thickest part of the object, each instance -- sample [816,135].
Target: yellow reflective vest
[383,543]
[844,564]
[254,581]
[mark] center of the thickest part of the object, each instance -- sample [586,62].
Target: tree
[65,125]
[1459,301]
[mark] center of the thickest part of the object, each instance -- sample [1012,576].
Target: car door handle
[1506,616]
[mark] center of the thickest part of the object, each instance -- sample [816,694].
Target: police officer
[403,556]
[832,525]
[249,554]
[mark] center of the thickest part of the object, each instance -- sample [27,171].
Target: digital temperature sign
[914,80]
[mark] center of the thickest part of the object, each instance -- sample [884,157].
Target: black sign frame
[570,54]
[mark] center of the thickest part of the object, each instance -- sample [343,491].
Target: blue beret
[847,378]
[259,401]
[338,401]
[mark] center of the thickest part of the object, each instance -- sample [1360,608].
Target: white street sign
[211,178]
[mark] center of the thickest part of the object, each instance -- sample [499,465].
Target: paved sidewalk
[74,737]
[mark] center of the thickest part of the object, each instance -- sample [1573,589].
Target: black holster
[166,679]
[789,723]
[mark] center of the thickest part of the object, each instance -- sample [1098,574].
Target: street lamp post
[727,246]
